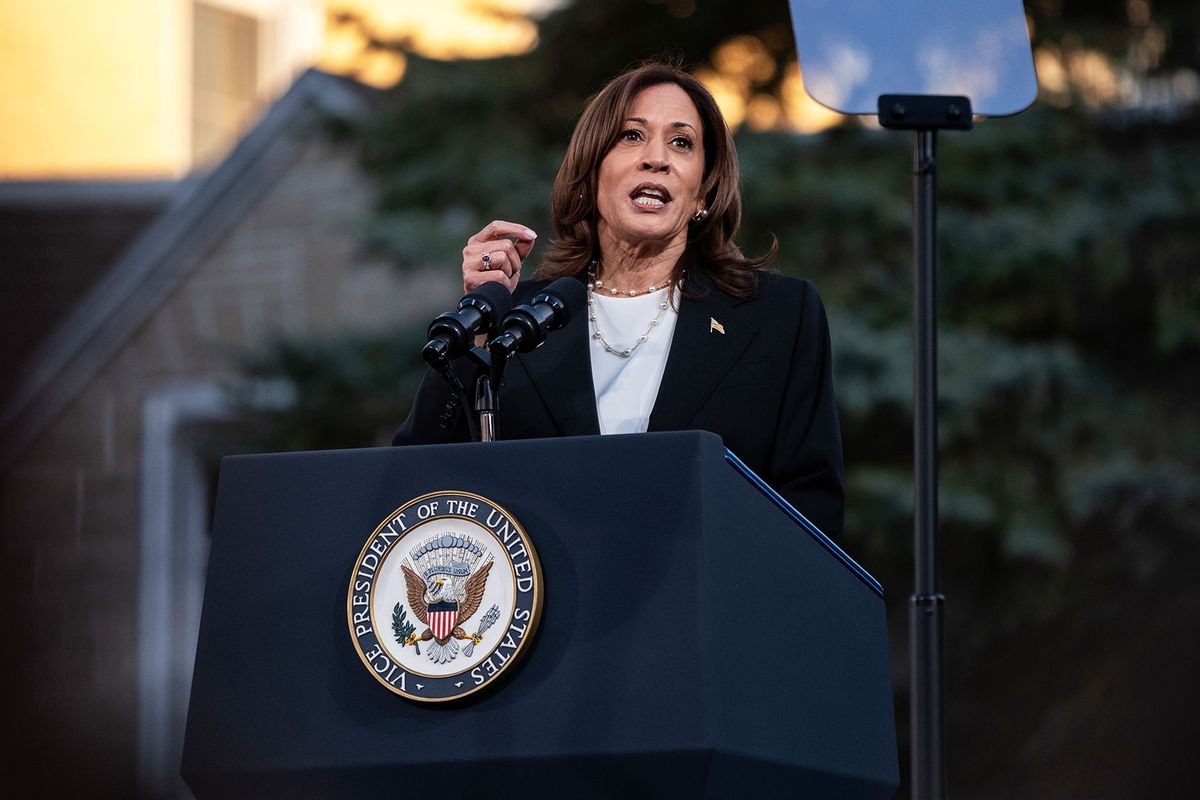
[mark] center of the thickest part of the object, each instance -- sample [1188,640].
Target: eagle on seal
[449,608]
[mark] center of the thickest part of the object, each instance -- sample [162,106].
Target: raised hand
[496,254]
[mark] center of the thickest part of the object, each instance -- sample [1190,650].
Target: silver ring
[486,258]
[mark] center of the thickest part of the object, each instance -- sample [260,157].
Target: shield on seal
[442,618]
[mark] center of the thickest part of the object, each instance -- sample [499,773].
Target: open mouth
[650,195]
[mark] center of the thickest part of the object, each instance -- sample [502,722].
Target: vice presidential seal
[445,595]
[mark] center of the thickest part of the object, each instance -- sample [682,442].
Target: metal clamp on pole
[928,112]
[487,393]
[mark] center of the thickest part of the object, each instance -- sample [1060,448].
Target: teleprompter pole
[925,612]
[925,115]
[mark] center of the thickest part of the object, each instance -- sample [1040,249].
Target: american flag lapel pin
[713,325]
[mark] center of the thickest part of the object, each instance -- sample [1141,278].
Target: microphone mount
[522,330]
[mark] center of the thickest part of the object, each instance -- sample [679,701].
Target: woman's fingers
[474,280]
[499,259]
[499,229]
[492,255]
[523,246]
[501,265]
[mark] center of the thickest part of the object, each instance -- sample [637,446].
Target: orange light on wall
[109,91]
[91,94]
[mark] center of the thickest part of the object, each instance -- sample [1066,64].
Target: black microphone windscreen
[497,296]
[572,292]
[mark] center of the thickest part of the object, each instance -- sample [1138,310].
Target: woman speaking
[682,331]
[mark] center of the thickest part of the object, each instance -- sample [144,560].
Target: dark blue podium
[698,638]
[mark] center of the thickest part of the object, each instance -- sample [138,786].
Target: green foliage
[402,628]
[351,391]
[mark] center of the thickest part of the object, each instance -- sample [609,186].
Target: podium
[698,637]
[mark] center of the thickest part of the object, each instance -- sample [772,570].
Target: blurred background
[225,225]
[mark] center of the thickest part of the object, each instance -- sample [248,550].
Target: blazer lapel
[561,373]
[710,334]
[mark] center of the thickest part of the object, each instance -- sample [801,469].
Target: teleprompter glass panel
[852,51]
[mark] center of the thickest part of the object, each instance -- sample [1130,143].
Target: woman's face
[649,183]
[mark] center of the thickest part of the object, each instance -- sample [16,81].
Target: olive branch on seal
[402,628]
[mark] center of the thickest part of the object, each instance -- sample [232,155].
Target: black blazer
[764,386]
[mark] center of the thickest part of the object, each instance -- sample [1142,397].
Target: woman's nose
[655,155]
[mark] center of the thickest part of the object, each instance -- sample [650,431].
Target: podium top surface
[803,521]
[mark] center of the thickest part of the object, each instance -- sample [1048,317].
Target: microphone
[452,334]
[525,327]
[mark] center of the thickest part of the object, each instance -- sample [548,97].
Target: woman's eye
[631,136]
[682,142]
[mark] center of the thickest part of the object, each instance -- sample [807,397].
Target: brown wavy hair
[710,246]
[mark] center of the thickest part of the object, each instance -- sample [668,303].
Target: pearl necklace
[598,335]
[612,290]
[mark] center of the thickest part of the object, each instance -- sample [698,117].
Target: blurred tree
[1070,343]
[329,393]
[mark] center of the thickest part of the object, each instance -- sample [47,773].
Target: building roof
[92,332]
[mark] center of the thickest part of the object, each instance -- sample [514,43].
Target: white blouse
[627,387]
